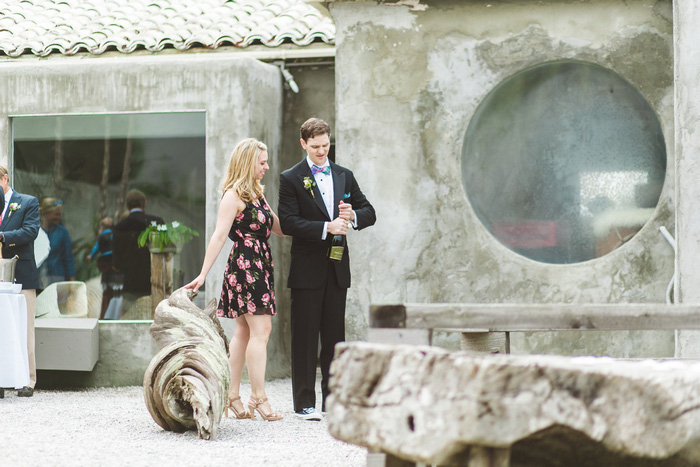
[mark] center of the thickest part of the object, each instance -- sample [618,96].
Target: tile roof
[42,27]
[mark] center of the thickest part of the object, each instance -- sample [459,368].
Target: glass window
[82,167]
[564,162]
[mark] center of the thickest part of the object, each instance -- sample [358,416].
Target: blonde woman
[248,293]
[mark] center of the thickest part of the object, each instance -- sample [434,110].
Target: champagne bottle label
[336,253]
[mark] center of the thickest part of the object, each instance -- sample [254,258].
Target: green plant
[165,234]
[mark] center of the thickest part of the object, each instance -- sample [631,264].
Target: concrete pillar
[686,37]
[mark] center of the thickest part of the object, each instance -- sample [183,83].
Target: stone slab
[67,343]
[428,405]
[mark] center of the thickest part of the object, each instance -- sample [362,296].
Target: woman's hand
[276,227]
[196,283]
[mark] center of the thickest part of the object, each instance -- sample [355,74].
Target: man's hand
[346,212]
[339,226]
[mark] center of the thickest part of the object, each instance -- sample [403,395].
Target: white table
[14,362]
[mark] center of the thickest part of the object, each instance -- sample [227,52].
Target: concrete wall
[408,80]
[687,69]
[242,97]
[316,98]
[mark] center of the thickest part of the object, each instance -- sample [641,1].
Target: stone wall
[409,77]
[316,98]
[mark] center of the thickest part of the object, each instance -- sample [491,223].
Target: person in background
[133,261]
[103,252]
[248,293]
[60,265]
[19,226]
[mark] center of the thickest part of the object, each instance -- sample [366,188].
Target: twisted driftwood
[186,384]
[438,407]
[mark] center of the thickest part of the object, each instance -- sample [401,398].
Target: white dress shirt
[325,186]
[8,195]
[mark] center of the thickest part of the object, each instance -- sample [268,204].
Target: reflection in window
[82,167]
[564,162]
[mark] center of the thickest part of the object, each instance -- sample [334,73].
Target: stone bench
[424,404]
[67,343]
[485,328]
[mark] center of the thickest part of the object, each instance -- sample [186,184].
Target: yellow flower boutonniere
[13,208]
[309,186]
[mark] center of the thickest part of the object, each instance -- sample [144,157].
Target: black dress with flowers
[249,285]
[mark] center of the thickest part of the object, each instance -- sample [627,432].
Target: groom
[317,200]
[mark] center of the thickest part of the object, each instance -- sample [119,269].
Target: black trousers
[315,311]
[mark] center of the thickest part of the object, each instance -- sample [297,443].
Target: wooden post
[485,342]
[161,277]
[484,456]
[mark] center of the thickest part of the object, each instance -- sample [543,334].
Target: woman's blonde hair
[48,204]
[240,176]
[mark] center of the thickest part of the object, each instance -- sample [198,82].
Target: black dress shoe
[25,392]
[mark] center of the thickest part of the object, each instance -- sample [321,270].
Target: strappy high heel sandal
[239,415]
[254,404]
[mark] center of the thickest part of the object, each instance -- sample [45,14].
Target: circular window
[564,162]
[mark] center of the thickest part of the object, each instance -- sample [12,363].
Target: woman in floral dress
[248,293]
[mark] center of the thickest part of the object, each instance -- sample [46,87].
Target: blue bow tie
[316,169]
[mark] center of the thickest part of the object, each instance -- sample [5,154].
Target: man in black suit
[133,261]
[317,200]
[19,226]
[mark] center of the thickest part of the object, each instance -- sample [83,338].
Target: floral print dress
[248,280]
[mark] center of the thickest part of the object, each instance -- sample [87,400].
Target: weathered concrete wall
[242,97]
[687,69]
[408,80]
[316,98]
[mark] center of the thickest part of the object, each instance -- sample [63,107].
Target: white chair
[63,300]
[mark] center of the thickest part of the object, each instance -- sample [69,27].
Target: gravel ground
[112,426]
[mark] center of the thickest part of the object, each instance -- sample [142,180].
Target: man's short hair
[135,199]
[314,127]
[3,171]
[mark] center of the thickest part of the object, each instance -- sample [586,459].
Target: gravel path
[112,426]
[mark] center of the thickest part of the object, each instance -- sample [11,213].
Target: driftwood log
[186,384]
[423,404]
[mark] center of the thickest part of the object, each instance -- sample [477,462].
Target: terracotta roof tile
[41,27]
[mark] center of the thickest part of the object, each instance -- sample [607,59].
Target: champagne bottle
[337,247]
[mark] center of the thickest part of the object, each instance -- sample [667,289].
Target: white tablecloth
[14,362]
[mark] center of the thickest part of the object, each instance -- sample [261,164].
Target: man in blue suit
[19,226]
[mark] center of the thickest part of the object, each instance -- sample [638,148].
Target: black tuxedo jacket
[302,216]
[20,228]
[129,258]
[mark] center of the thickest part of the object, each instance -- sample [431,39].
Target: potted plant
[166,238]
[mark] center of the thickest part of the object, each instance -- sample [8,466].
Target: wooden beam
[537,317]
[387,316]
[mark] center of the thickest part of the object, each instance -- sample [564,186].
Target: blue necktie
[316,169]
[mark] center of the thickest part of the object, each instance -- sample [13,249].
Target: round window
[564,162]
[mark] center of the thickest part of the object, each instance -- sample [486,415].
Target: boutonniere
[309,186]
[13,208]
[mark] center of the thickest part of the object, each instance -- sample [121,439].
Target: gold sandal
[239,415]
[254,405]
